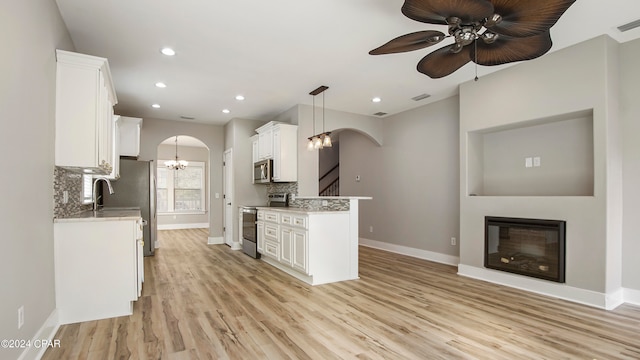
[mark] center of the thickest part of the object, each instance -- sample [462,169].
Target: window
[87,189]
[181,190]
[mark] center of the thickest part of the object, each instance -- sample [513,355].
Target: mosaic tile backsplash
[316,204]
[72,183]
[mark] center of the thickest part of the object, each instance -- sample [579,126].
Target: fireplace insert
[531,247]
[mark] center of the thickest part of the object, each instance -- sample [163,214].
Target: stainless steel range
[250,224]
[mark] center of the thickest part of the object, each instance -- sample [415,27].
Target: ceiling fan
[487,32]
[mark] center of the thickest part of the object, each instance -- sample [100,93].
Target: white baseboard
[413,252]
[632,296]
[183,226]
[43,339]
[561,291]
[218,240]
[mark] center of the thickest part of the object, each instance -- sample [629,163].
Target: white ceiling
[275,52]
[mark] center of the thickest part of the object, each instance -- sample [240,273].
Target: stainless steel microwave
[262,171]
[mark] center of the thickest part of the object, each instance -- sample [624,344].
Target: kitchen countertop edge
[301,210]
[108,215]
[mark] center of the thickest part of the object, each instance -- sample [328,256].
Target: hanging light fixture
[176,164]
[323,139]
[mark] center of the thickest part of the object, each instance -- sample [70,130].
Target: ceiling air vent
[420,97]
[187,117]
[380,113]
[629,26]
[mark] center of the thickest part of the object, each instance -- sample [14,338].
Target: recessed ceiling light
[156,106]
[168,51]
[161,85]
[226,111]
[376,99]
[239,97]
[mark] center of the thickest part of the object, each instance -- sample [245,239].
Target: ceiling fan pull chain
[475,61]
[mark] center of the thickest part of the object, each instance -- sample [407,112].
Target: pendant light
[176,164]
[322,140]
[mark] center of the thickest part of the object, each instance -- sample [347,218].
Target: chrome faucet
[95,193]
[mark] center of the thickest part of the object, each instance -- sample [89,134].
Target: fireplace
[530,247]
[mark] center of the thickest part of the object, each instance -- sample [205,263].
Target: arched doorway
[183,194]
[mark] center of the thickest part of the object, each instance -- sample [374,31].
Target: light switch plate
[528,162]
[536,161]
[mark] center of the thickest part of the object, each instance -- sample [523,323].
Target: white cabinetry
[130,136]
[279,142]
[85,97]
[97,269]
[115,148]
[255,150]
[311,246]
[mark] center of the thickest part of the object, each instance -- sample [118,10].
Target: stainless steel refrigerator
[136,187]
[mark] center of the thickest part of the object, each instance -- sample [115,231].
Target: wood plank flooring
[204,301]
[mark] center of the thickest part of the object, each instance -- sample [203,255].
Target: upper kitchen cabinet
[85,126]
[279,141]
[129,131]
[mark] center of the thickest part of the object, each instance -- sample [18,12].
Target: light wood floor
[208,302]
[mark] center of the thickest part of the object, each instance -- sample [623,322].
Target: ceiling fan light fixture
[489,37]
[494,20]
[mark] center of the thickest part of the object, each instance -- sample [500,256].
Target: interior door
[227,169]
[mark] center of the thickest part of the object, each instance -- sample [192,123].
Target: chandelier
[323,139]
[176,164]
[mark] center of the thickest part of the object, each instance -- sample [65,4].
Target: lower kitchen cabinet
[313,246]
[98,268]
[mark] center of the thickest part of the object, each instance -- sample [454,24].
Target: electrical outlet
[20,316]
[453,241]
[371,228]
[65,197]
[325,203]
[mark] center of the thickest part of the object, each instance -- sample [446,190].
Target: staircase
[333,187]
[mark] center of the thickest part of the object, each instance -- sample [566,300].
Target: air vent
[420,97]
[629,26]
[380,113]
[187,117]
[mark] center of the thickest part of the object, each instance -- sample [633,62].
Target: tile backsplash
[65,180]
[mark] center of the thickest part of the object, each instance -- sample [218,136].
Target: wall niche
[543,157]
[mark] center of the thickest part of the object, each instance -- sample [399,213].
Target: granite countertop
[333,197]
[105,214]
[302,210]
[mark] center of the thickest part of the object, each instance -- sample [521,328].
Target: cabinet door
[106,127]
[286,245]
[300,259]
[115,148]
[260,237]
[265,144]
[277,158]
[129,132]
[255,150]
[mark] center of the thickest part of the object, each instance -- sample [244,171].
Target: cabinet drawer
[271,216]
[260,215]
[271,232]
[272,249]
[286,219]
[300,221]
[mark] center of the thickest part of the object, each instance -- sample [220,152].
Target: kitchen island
[98,264]
[314,240]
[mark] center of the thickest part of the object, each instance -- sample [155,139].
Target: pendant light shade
[322,140]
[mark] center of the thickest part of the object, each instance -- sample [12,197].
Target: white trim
[413,252]
[561,291]
[46,333]
[183,226]
[632,296]
[218,240]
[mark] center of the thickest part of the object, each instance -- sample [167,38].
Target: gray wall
[630,115]
[412,177]
[565,149]
[575,79]
[189,153]
[30,33]
[237,138]
[154,131]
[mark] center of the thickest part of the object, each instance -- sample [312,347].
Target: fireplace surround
[531,247]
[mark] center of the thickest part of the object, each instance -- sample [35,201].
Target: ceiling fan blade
[437,11]
[410,42]
[522,18]
[508,49]
[443,61]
